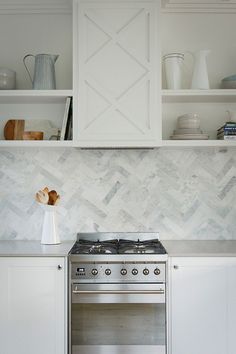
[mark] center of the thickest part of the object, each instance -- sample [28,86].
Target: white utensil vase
[174,70]
[200,80]
[50,234]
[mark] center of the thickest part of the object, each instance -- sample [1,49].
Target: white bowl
[187,131]
[188,121]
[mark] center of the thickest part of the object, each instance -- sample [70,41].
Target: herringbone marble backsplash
[183,194]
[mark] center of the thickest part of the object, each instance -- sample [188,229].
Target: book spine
[227,126]
[227,137]
[227,133]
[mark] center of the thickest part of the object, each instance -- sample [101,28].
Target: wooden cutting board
[14,129]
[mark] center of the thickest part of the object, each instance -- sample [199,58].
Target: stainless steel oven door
[118,319]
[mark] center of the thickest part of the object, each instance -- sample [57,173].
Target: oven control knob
[157,271]
[94,271]
[108,271]
[145,271]
[123,271]
[135,271]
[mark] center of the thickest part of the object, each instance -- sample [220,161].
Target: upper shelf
[34,96]
[35,6]
[188,96]
[199,6]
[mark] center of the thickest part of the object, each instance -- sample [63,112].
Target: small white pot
[173,68]
[188,121]
[7,79]
[50,234]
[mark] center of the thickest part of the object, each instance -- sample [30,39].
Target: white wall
[196,31]
[36,34]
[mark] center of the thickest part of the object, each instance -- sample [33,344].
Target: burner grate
[95,247]
[114,246]
[137,247]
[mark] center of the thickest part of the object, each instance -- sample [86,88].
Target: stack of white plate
[188,128]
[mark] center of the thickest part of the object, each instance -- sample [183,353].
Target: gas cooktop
[117,243]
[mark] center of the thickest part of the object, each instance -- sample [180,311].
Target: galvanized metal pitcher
[44,71]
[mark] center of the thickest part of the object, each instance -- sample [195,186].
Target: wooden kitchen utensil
[33,136]
[14,129]
[52,197]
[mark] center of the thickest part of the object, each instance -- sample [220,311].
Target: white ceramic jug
[173,68]
[50,231]
[200,80]
[44,71]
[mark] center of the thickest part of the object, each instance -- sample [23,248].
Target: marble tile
[182,193]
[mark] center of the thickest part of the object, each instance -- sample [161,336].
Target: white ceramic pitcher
[50,234]
[200,80]
[174,70]
[44,71]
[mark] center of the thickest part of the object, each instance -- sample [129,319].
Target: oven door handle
[120,292]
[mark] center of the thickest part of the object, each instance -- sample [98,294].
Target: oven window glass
[118,324]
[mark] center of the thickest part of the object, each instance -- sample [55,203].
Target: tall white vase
[50,234]
[173,68]
[200,80]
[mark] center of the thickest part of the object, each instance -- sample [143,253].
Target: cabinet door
[199,306]
[231,303]
[32,304]
[118,71]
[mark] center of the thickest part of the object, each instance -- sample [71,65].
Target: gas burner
[117,244]
[140,247]
[95,247]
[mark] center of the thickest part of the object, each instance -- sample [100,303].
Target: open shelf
[198,143]
[192,96]
[34,96]
[46,106]
[36,143]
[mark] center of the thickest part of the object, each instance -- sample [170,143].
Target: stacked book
[227,131]
[67,124]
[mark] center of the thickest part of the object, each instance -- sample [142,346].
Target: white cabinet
[117,73]
[202,305]
[32,305]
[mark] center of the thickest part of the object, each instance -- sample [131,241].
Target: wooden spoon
[42,197]
[52,197]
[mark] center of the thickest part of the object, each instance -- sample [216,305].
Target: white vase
[173,68]
[50,234]
[200,80]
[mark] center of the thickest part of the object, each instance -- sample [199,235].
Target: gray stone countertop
[174,248]
[183,248]
[34,249]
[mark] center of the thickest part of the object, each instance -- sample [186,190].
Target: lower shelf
[198,143]
[36,143]
[96,145]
